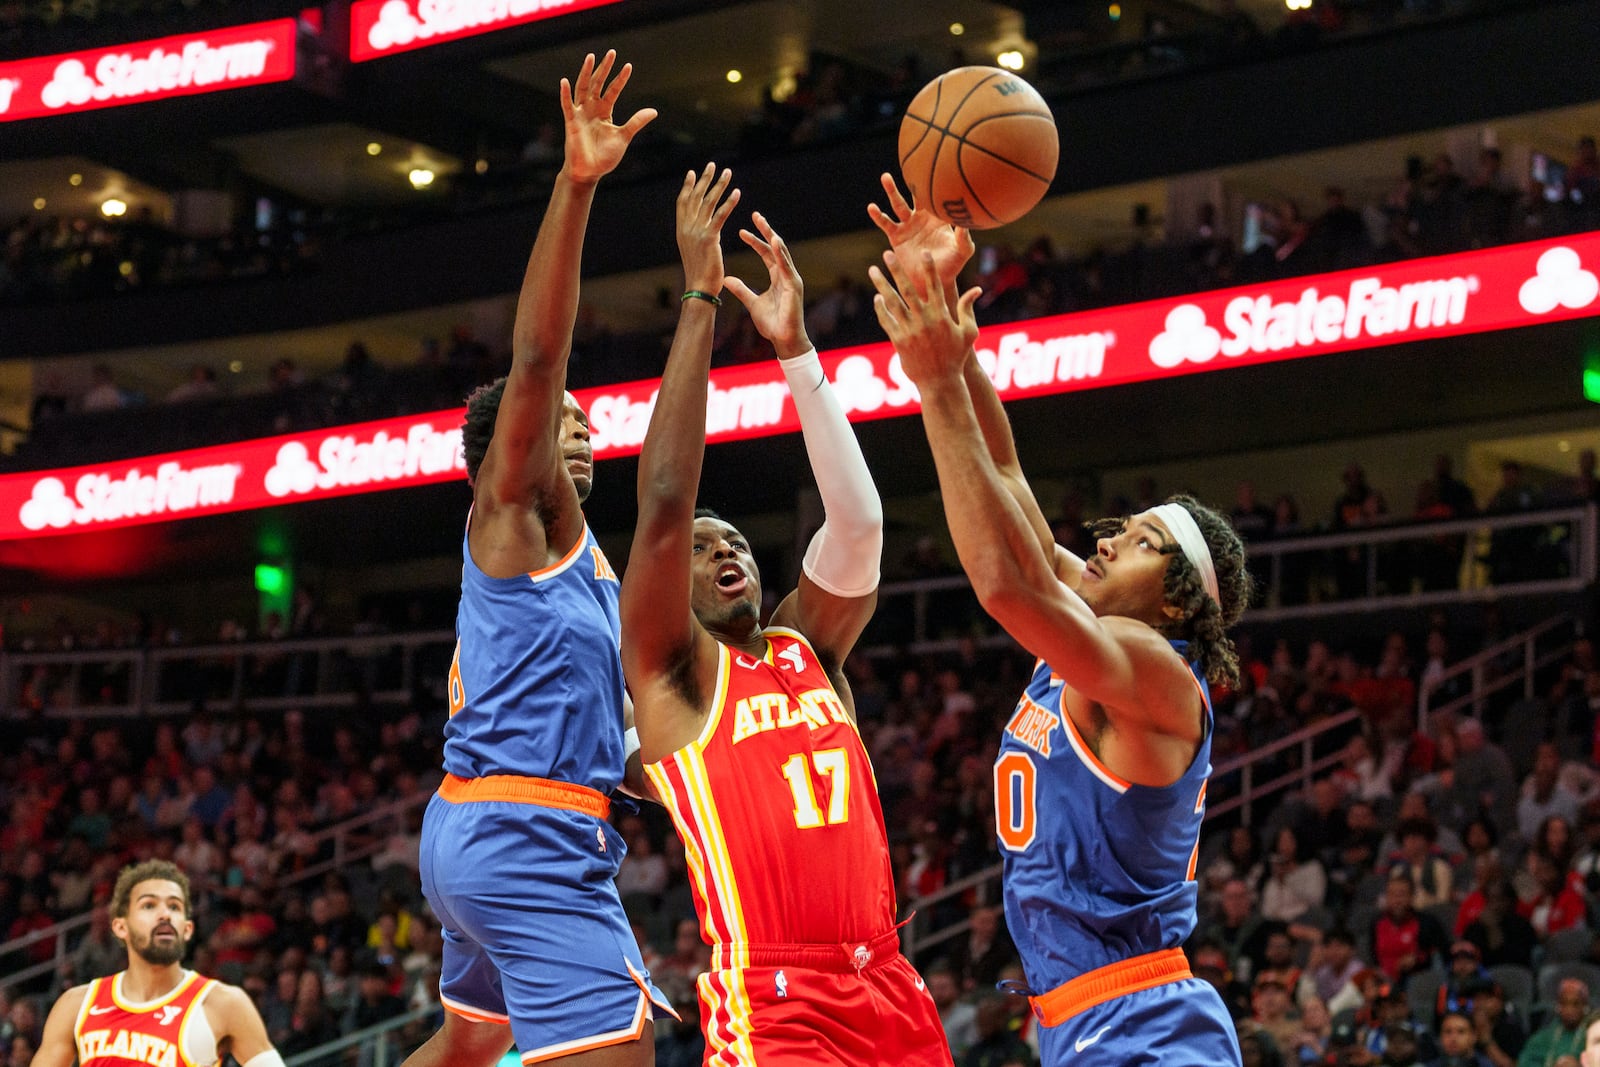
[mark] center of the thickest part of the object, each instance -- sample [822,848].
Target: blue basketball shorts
[534,932]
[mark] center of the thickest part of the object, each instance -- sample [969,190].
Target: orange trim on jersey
[589,1044]
[1109,982]
[719,696]
[644,987]
[566,560]
[1087,754]
[524,790]
[154,1005]
[475,1015]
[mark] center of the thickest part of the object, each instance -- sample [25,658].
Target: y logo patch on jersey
[781,983]
[169,1013]
[793,657]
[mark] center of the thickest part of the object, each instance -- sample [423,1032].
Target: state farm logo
[1258,324]
[398,27]
[124,74]
[346,460]
[8,88]
[1559,280]
[99,497]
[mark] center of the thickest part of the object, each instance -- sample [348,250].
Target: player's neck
[752,641]
[143,982]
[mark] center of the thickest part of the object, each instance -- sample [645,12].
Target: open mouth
[731,579]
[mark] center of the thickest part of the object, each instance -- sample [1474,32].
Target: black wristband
[700,294]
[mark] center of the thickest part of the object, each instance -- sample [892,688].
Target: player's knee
[476,1043]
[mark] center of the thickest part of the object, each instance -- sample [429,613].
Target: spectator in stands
[1483,776]
[1562,1035]
[1544,794]
[1462,980]
[99,953]
[1403,939]
[997,1044]
[103,393]
[1236,926]
[1499,931]
[1333,967]
[1358,506]
[1514,554]
[958,1014]
[1293,881]
[201,384]
[1273,1012]
[978,957]
[1458,1043]
[1421,862]
[1499,1032]
[375,1002]
[1552,903]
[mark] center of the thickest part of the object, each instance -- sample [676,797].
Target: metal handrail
[359,1037]
[1474,665]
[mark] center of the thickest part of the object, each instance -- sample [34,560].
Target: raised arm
[659,633]
[237,1023]
[913,232]
[523,465]
[1115,662]
[838,587]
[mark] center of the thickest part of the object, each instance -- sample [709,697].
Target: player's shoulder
[72,999]
[227,998]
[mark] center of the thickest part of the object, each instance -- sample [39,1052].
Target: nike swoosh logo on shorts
[1084,1042]
[921,985]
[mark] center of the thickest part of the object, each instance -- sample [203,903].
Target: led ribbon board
[1445,296]
[185,65]
[385,27]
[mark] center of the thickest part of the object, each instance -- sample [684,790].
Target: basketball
[978,147]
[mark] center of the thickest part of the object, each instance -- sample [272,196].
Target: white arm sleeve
[844,554]
[269,1058]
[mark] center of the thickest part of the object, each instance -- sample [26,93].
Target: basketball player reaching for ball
[155,1012]
[1100,783]
[517,858]
[748,732]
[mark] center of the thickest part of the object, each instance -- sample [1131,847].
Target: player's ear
[119,928]
[1172,612]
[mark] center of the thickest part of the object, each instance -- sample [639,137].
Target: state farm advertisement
[361,458]
[385,27]
[1473,292]
[192,63]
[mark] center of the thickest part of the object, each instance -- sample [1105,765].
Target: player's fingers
[759,247]
[641,118]
[897,202]
[964,245]
[597,83]
[966,306]
[718,187]
[886,291]
[687,189]
[585,73]
[741,292]
[703,181]
[720,216]
[880,220]
[619,83]
[903,279]
[886,318]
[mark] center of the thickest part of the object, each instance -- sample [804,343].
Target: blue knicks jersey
[1097,869]
[536,682]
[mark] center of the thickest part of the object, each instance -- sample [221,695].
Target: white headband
[1183,527]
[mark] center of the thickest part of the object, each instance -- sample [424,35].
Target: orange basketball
[978,147]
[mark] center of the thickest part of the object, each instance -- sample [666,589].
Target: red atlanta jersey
[778,809]
[114,1032]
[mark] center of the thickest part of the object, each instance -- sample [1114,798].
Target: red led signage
[384,27]
[1472,292]
[191,63]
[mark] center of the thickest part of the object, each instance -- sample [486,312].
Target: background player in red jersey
[155,1012]
[748,732]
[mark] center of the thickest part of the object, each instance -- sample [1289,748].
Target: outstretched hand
[931,335]
[595,144]
[778,313]
[702,209]
[913,231]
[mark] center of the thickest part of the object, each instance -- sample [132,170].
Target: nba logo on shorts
[782,983]
[600,838]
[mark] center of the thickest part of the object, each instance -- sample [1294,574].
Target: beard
[162,953]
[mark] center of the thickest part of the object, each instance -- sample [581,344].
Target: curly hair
[1204,622]
[147,871]
[483,406]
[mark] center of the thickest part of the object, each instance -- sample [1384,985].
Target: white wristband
[269,1058]
[630,743]
[844,555]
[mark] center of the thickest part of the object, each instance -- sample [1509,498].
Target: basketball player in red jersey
[748,733]
[155,1013]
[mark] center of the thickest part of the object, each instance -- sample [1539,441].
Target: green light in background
[1591,384]
[270,579]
